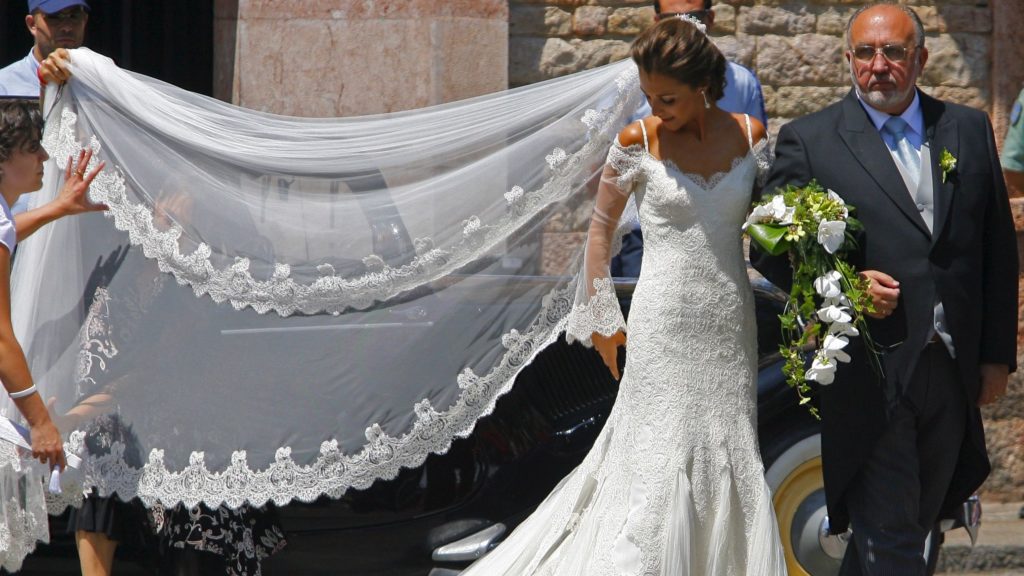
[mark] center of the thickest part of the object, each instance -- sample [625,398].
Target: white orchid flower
[843,329]
[780,212]
[841,301]
[822,370]
[759,214]
[831,234]
[828,286]
[833,348]
[839,200]
[834,314]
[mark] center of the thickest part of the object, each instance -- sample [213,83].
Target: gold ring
[81,173]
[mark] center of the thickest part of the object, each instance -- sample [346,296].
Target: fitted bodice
[691,226]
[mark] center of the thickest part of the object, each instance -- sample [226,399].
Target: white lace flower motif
[822,370]
[556,157]
[514,195]
[831,235]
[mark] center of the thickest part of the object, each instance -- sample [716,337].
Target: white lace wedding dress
[674,484]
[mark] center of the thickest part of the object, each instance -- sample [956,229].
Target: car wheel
[798,494]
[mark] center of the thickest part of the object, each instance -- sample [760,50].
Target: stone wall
[353,57]
[796,49]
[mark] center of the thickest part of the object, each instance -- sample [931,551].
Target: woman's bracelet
[23,393]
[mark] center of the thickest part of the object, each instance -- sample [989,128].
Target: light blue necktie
[895,128]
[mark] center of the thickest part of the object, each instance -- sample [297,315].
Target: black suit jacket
[969,261]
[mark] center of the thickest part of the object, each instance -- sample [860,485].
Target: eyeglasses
[891,52]
[701,15]
[71,16]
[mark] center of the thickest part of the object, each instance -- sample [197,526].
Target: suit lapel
[866,144]
[941,134]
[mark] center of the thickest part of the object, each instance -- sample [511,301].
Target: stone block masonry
[796,48]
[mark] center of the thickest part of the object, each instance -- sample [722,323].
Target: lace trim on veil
[23,511]
[333,472]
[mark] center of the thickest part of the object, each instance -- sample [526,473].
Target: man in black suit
[939,249]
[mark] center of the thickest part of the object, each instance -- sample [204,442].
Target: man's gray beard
[878,100]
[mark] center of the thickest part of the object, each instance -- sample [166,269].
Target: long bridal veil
[280,308]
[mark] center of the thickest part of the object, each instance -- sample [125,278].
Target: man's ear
[923,56]
[30,23]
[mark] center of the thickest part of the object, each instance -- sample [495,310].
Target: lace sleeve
[596,308]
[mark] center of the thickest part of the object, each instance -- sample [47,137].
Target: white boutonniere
[947,162]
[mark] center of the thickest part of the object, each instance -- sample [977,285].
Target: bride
[674,484]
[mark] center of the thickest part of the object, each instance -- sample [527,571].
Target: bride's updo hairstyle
[676,48]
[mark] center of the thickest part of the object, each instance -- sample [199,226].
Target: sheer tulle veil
[281,308]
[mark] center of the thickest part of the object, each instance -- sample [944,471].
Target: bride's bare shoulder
[757,130]
[633,133]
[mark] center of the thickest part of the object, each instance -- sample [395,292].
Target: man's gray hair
[918,25]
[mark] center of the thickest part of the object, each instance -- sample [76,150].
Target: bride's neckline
[711,181]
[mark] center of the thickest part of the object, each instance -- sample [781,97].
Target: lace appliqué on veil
[330,293]
[332,472]
[23,521]
[96,343]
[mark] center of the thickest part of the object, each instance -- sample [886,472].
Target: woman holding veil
[674,484]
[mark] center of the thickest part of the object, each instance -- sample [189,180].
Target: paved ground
[999,550]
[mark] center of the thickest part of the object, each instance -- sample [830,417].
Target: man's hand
[608,348]
[884,291]
[73,196]
[55,68]
[994,378]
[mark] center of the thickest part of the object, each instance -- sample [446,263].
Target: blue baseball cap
[54,6]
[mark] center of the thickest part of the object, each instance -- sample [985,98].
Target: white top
[8,236]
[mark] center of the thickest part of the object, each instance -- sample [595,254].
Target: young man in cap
[54,24]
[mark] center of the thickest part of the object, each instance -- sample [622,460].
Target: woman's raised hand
[608,348]
[73,197]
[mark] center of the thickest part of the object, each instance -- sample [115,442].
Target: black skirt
[126,523]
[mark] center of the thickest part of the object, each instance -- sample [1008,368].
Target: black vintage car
[435,519]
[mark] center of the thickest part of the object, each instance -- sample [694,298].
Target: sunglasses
[891,52]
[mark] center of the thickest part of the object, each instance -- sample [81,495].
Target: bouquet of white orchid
[828,299]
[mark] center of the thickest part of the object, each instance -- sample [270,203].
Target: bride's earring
[707,105]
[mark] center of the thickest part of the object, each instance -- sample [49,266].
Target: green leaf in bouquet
[770,237]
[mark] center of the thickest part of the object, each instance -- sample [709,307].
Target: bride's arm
[600,304]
